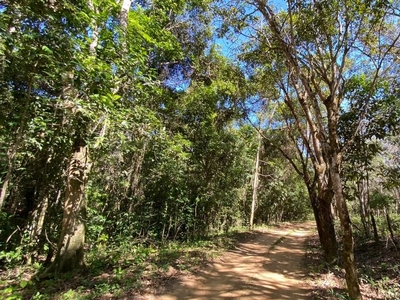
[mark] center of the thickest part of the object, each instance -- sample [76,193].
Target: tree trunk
[325,150]
[335,161]
[36,227]
[363,201]
[4,187]
[123,19]
[325,226]
[348,243]
[134,190]
[255,183]
[70,253]
[376,235]
[389,224]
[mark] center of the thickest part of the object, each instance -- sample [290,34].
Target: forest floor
[266,264]
[378,266]
[278,262]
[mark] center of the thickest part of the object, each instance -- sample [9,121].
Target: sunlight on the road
[268,267]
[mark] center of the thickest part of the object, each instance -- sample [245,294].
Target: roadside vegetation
[377,263]
[120,271]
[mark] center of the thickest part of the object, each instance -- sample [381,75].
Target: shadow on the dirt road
[266,267]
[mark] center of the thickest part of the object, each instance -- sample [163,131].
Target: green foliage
[9,294]
[13,257]
[282,195]
[162,112]
[380,200]
[120,269]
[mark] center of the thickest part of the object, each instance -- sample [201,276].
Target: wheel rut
[267,267]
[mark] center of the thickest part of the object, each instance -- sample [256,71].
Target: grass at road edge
[120,271]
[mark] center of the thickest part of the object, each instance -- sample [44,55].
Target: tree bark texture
[123,17]
[325,226]
[70,254]
[348,242]
[334,162]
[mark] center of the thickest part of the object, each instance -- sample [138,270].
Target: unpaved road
[267,267]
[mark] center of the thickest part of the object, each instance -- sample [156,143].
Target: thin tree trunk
[334,161]
[123,17]
[348,243]
[376,235]
[389,224]
[363,202]
[123,20]
[353,285]
[42,214]
[255,182]
[6,182]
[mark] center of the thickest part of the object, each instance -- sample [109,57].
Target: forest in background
[142,122]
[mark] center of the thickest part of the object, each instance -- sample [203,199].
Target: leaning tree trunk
[335,160]
[348,243]
[376,235]
[310,90]
[70,252]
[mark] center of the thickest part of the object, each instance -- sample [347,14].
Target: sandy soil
[267,267]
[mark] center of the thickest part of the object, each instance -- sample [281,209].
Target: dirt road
[267,267]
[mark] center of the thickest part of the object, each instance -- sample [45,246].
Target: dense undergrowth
[119,271]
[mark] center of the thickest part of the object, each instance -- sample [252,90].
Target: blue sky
[228,47]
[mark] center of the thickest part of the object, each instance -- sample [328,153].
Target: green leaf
[47,49]
[23,283]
